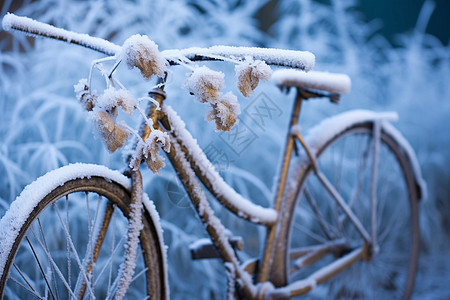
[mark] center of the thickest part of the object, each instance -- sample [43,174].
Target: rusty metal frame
[266,260]
[192,178]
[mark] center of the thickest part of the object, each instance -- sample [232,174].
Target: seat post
[270,271]
[299,97]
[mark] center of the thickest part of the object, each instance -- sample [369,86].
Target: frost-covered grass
[43,127]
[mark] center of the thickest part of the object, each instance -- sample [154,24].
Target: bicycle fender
[333,126]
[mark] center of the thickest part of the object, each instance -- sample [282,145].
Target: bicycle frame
[194,169]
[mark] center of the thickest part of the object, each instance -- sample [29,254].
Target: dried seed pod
[113,134]
[111,98]
[249,73]
[156,140]
[155,163]
[205,84]
[84,94]
[225,112]
[148,150]
[141,52]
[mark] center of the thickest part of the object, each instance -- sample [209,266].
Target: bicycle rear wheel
[72,244]
[318,222]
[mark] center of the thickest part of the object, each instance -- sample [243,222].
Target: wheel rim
[398,240]
[49,264]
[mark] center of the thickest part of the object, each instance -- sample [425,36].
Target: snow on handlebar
[35,28]
[138,51]
[303,60]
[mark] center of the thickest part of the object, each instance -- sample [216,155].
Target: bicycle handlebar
[35,28]
[303,60]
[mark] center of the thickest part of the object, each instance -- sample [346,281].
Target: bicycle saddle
[323,81]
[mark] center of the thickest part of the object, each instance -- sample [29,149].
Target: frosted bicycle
[345,204]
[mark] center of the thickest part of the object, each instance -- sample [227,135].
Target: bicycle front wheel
[321,232]
[73,242]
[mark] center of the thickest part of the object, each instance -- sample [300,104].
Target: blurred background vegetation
[396,52]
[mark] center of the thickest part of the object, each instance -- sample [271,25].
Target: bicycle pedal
[205,249]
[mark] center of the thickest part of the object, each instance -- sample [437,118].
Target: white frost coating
[151,209]
[289,58]
[225,111]
[81,88]
[205,84]
[231,276]
[11,21]
[245,207]
[331,82]
[141,52]
[24,204]
[112,98]
[199,243]
[84,94]
[331,127]
[128,266]
[149,150]
[205,211]
[390,129]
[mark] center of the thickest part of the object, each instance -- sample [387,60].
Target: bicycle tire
[375,278]
[43,277]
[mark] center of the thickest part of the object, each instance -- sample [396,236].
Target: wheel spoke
[61,276]
[79,228]
[373,182]
[99,235]
[72,246]
[112,247]
[139,274]
[360,175]
[309,233]
[24,279]
[362,192]
[28,289]
[355,195]
[69,262]
[389,224]
[341,202]
[321,220]
[40,266]
[109,262]
[46,247]
[89,224]
[81,285]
